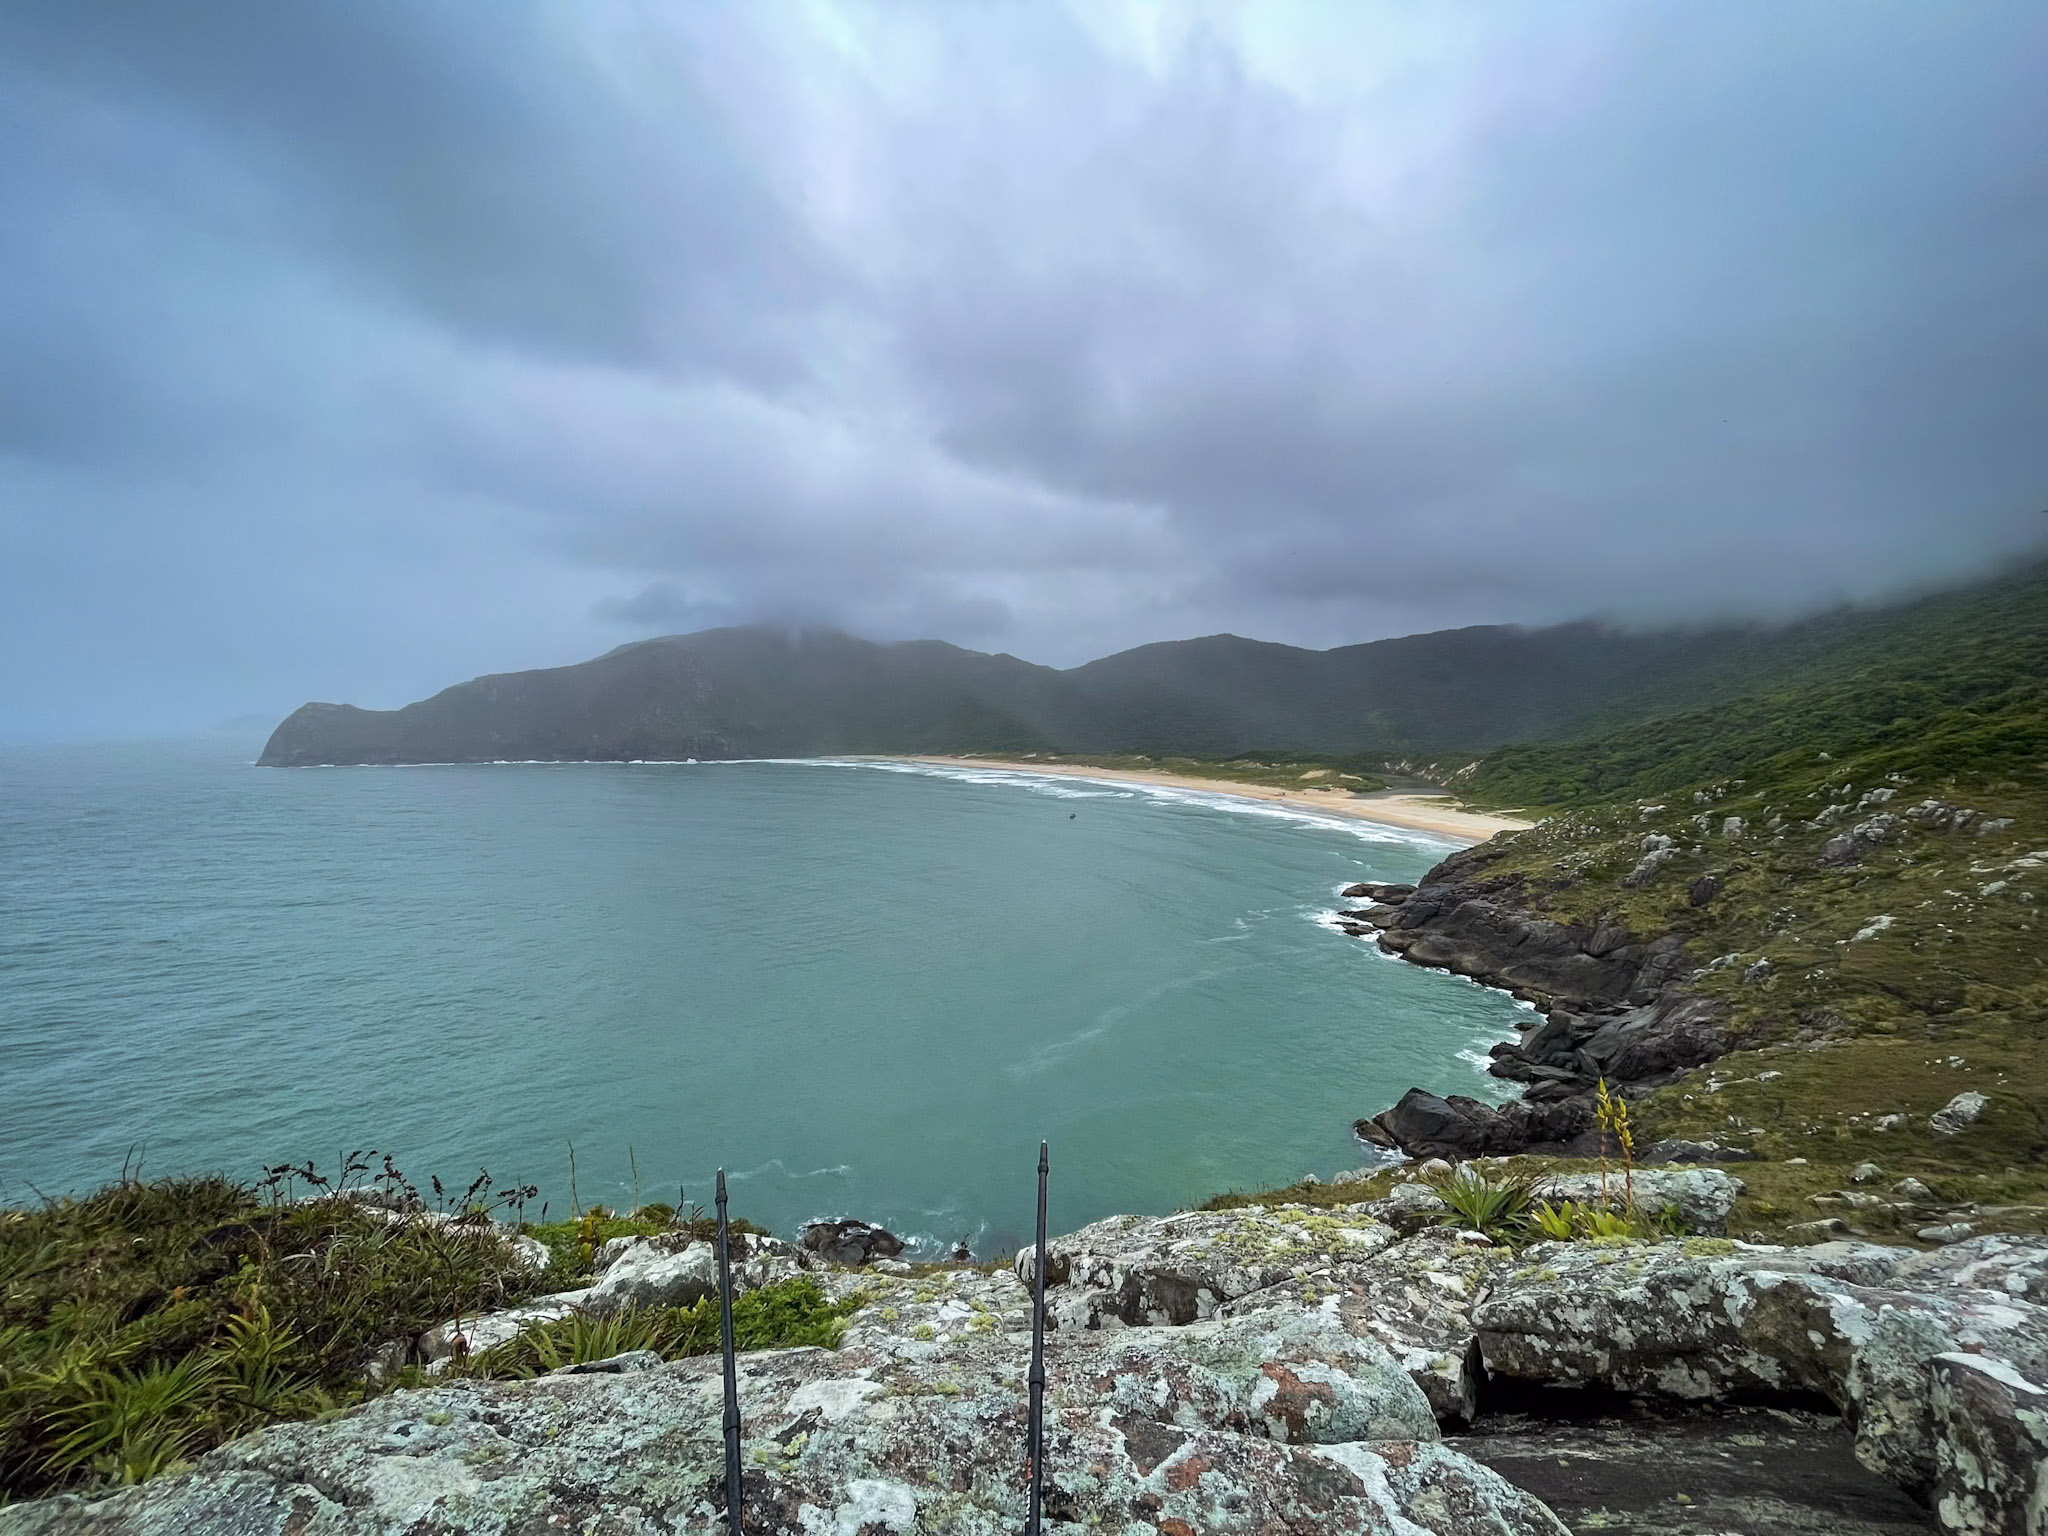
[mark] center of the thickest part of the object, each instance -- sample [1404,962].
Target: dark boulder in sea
[851,1242]
[1370,890]
[1460,1128]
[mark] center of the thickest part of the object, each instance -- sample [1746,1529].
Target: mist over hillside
[761,692]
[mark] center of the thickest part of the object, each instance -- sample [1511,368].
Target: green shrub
[148,1322]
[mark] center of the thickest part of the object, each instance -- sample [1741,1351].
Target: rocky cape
[1269,1369]
[1614,1006]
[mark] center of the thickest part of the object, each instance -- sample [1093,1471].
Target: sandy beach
[1419,813]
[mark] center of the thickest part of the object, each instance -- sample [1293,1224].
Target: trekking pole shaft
[1037,1423]
[732,1386]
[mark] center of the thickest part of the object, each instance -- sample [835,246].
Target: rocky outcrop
[1702,1197]
[1463,919]
[851,1242]
[1933,1373]
[1372,890]
[1613,1008]
[1990,1447]
[1139,1272]
[1258,1369]
[1425,1124]
[1416,1299]
[1959,1114]
[1851,846]
[1282,1418]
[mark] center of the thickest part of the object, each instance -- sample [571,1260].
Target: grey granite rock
[1961,1112]
[2014,1264]
[1991,1448]
[1703,1197]
[1855,1323]
[1277,1368]
[1133,1271]
[1271,1422]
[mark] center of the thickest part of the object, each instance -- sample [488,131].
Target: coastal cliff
[1614,1010]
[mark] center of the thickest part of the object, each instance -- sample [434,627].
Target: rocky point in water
[1614,1008]
[1277,1368]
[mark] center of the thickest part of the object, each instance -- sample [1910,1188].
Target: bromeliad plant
[1611,1111]
[1504,1208]
[1569,1220]
[1497,1208]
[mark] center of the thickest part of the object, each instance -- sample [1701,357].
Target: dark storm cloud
[348,350]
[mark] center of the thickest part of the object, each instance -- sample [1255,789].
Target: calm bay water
[866,991]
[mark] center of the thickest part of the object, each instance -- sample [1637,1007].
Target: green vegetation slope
[1857,856]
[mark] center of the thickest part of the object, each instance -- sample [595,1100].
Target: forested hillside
[1954,684]
[1444,696]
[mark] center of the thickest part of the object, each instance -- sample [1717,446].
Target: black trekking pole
[732,1386]
[1037,1429]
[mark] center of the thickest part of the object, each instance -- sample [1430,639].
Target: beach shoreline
[1411,812]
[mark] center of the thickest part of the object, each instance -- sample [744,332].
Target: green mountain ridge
[757,692]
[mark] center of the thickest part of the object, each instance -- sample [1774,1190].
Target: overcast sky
[355,347]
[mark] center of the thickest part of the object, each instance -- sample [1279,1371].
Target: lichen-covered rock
[1407,1206]
[1416,1298]
[1289,1375]
[1894,1338]
[1860,1325]
[1991,1448]
[2014,1264]
[1278,1368]
[1228,1425]
[1635,1317]
[667,1271]
[1153,1271]
[1703,1197]
[1692,1319]
[464,1337]
[1958,1114]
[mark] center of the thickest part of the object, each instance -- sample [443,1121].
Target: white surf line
[1362,828]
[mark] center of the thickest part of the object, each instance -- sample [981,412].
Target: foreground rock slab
[1267,1369]
[1276,1422]
[1939,1378]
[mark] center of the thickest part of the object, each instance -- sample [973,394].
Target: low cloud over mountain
[344,350]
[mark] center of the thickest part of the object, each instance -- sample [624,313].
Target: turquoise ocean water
[865,990]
